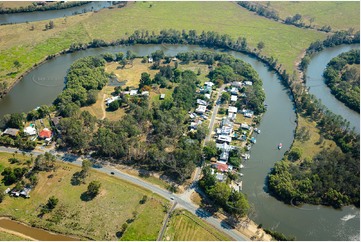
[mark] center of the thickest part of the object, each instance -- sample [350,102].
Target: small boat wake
[348,217]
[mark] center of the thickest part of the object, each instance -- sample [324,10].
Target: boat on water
[258,131]
[279,146]
[241,166]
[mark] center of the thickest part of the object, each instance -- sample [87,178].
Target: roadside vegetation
[184,226]
[342,76]
[71,214]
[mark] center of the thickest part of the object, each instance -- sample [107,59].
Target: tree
[51,25]
[51,204]
[16,121]
[17,64]
[225,97]
[210,149]
[295,154]
[93,188]
[2,193]
[113,106]
[260,46]
[85,167]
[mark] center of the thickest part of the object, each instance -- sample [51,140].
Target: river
[308,222]
[35,233]
[316,83]
[51,14]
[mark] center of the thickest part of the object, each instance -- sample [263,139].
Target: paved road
[185,203]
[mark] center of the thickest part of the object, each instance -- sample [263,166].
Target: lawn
[340,15]
[117,201]
[184,226]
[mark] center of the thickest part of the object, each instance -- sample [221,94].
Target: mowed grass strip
[98,219]
[184,226]
[340,15]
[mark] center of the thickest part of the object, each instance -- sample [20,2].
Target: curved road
[222,226]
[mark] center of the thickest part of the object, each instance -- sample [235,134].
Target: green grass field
[116,202]
[29,47]
[183,226]
[340,15]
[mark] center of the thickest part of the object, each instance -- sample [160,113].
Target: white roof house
[209,84]
[145,93]
[226,130]
[224,156]
[231,116]
[111,99]
[29,131]
[201,102]
[201,109]
[248,83]
[234,98]
[224,138]
[245,126]
[224,147]
[234,91]
[207,95]
[133,92]
[162,96]
[150,60]
[236,84]
[232,109]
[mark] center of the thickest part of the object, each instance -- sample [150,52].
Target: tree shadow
[76,180]
[119,234]
[86,197]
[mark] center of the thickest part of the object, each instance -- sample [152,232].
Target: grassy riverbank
[4,236]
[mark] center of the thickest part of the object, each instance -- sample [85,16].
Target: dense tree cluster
[259,9]
[85,77]
[330,178]
[230,200]
[344,81]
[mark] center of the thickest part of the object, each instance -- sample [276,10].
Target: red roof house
[222,167]
[45,133]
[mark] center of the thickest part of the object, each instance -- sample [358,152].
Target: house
[162,96]
[221,167]
[192,116]
[195,124]
[207,95]
[226,122]
[56,121]
[234,91]
[248,83]
[248,114]
[111,99]
[237,84]
[232,116]
[201,109]
[150,60]
[133,92]
[145,93]
[7,190]
[224,156]
[45,134]
[209,84]
[25,192]
[201,102]
[232,109]
[11,132]
[234,98]
[219,177]
[226,130]
[224,138]
[224,146]
[29,131]
[245,126]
